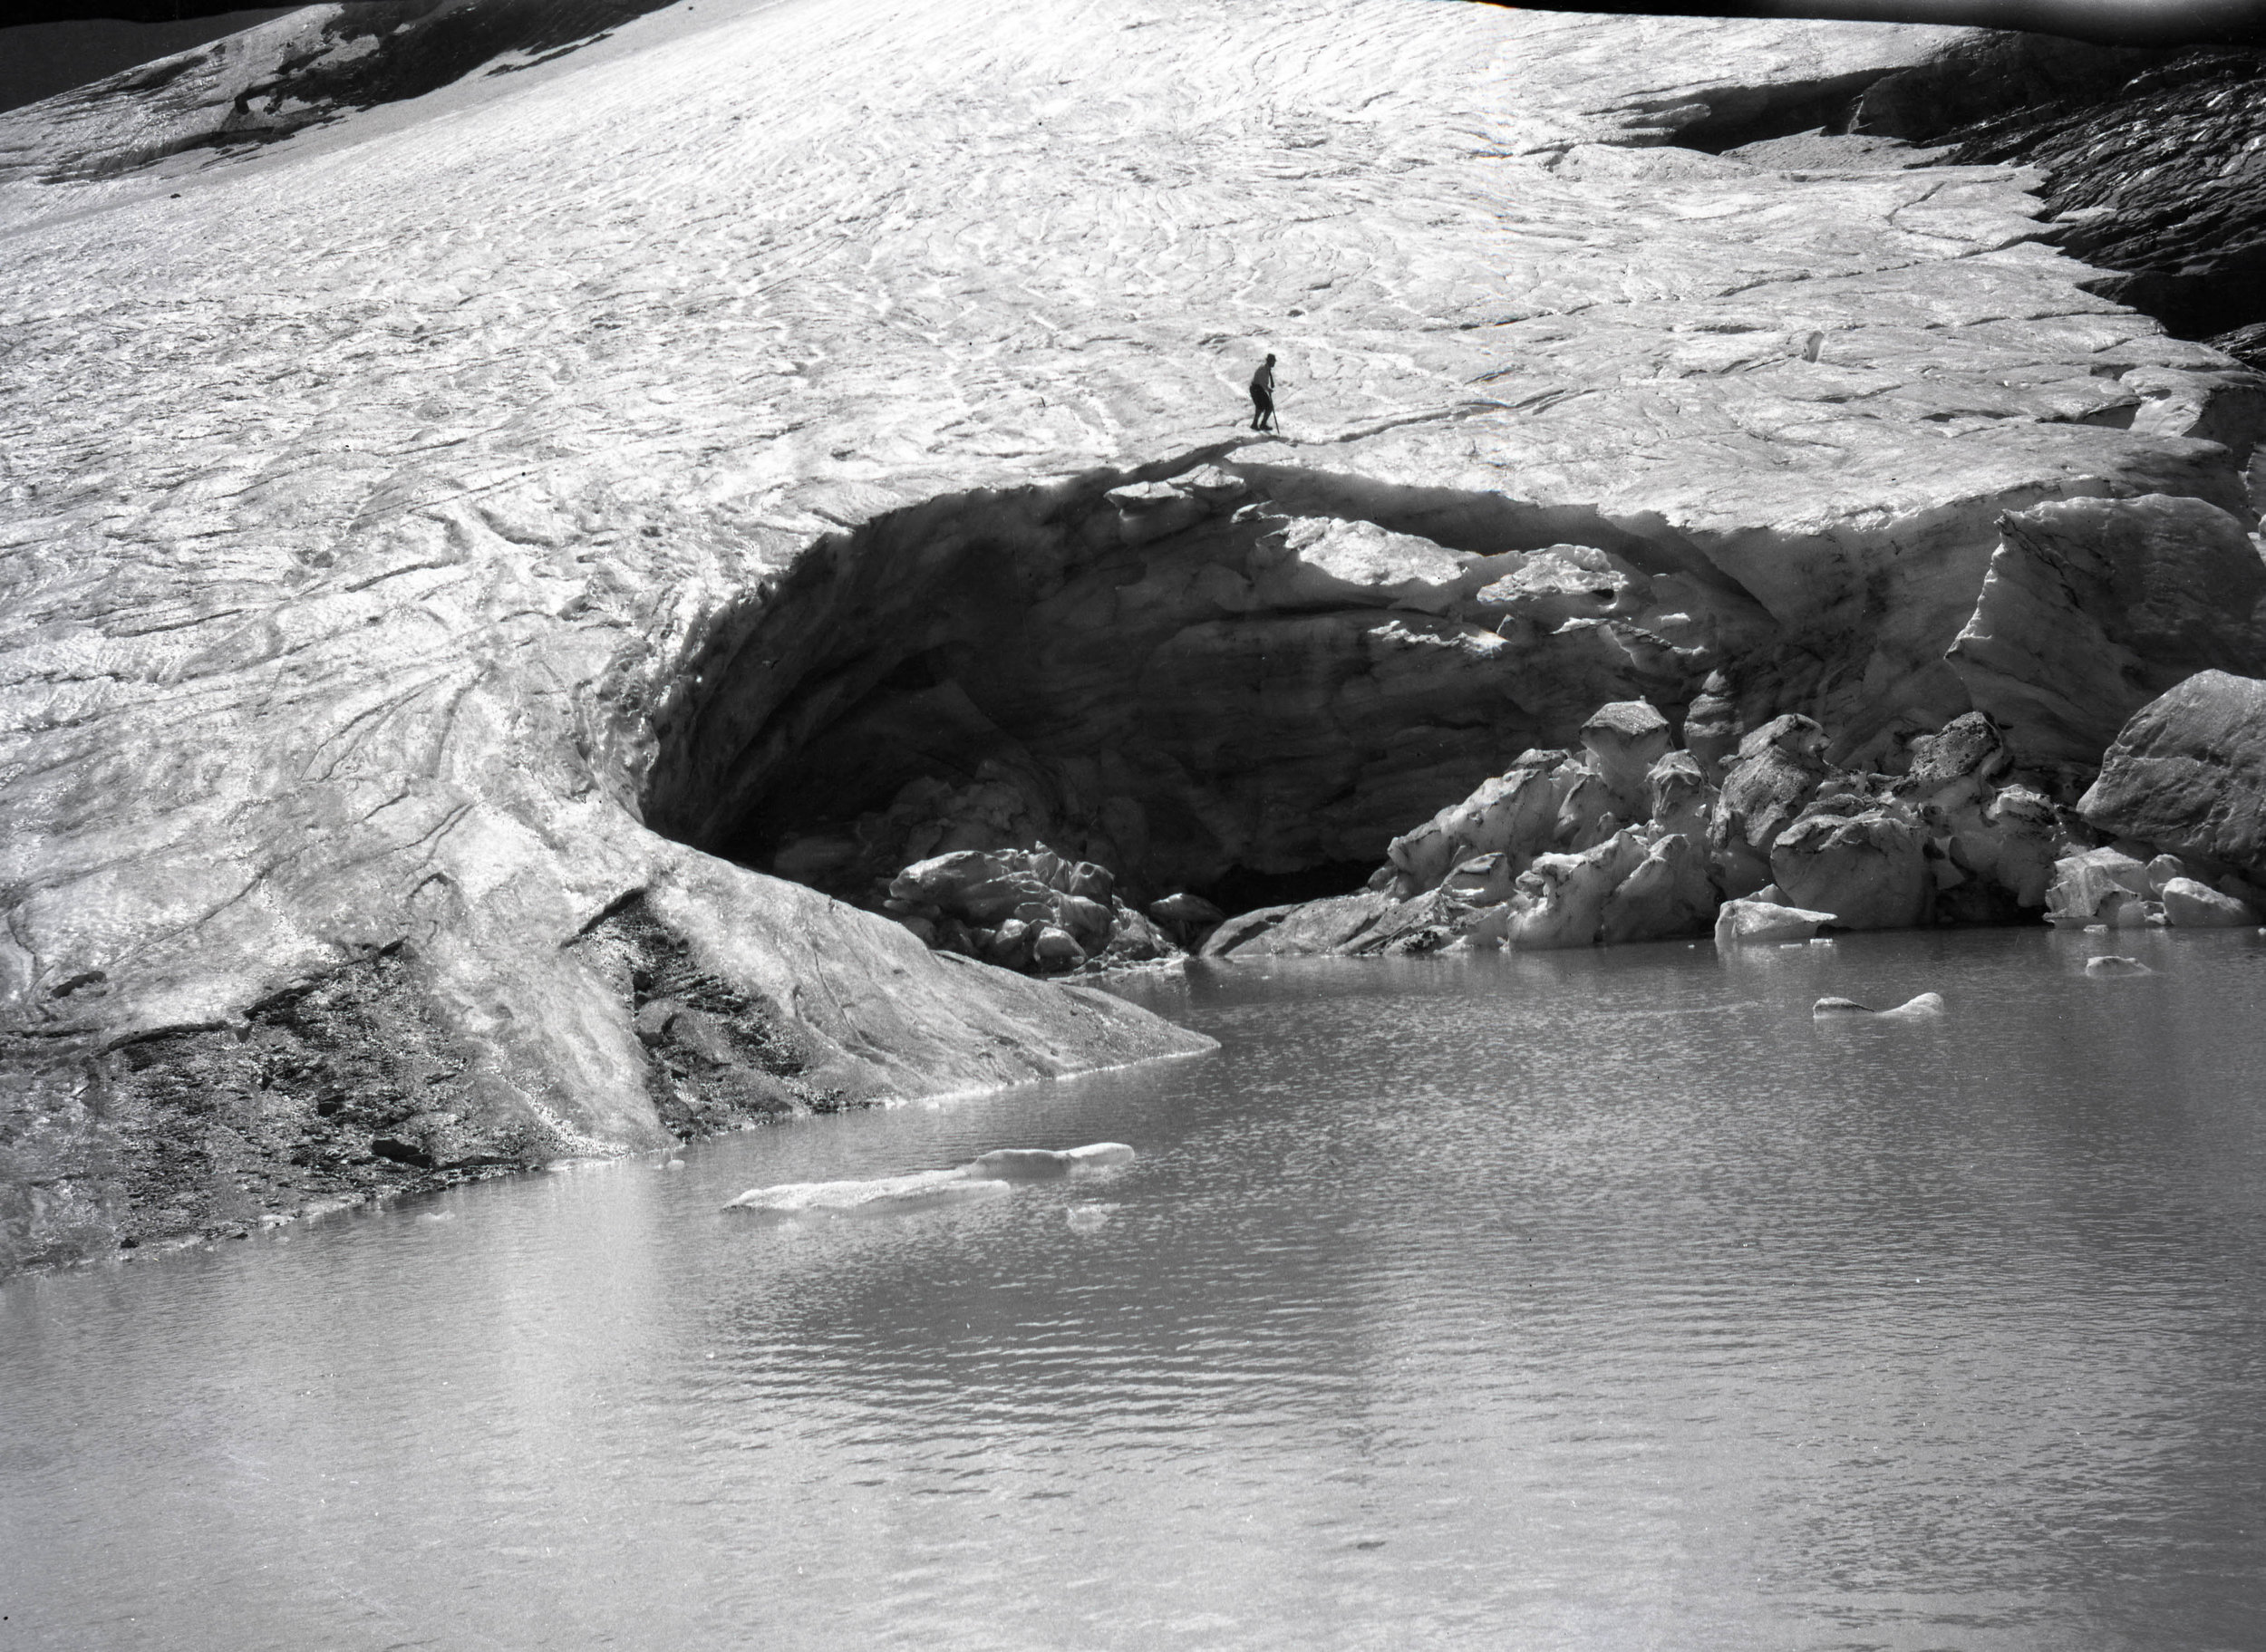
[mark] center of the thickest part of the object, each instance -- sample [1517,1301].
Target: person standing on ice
[1262,396]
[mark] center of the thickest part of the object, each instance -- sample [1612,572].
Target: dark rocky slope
[311,68]
[2149,155]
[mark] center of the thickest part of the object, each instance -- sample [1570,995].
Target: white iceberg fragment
[1766,921]
[987,1176]
[1927,1003]
[2115,964]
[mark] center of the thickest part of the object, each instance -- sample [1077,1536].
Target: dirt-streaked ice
[366,495]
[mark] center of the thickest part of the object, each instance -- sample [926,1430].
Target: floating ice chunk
[986,1177]
[2115,964]
[1766,921]
[1038,1164]
[1089,1218]
[883,1196]
[1927,1003]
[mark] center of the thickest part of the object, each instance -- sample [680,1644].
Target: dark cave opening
[1141,675]
[1240,889]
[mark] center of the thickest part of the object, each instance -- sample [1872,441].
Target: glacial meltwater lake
[1598,1301]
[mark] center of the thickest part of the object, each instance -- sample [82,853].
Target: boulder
[2161,870]
[1514,814]
[2015,849]
[1764,922]
[1011,942]
[2188,774]
[1133,938]
[1669,894]
[2082,883]
[1678,796]
[1868,865]
[2092,607]
[949,879]
[2189,905]
[2120,910]
[1561,898]
[1007,901]
[1778,770]
[1965,757]
[1086,880]
[1090,921]
[1711,725]
[1625,739]
[1588,815]
[1993,842]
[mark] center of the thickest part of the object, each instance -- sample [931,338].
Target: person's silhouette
[1263,397]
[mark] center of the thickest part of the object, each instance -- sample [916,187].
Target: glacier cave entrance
[1135,671]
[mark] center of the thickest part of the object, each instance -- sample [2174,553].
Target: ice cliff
[456,532]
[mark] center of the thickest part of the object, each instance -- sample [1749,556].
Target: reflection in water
[1577,1301]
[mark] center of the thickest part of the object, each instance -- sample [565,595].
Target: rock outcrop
[1032,910]
[1863,864]
[2188,774]
[2093,607]
[1777,771]
[2190,904]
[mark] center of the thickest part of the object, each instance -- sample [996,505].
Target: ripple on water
[1594,1302]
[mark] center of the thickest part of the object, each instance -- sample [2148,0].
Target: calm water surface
[1586,1301]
